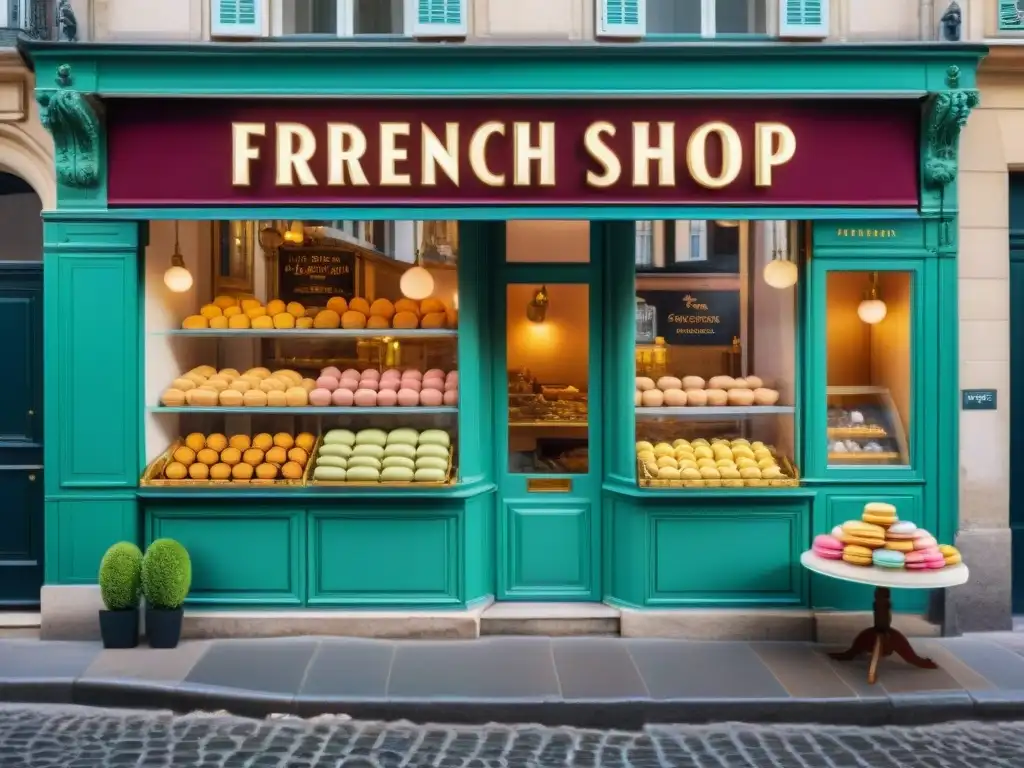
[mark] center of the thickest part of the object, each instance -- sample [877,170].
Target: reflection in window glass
[305,17]
[378,17]
[737,17]
[548,378]
[688,246]
[706,17]
[869,368]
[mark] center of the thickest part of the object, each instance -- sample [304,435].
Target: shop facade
[556,168]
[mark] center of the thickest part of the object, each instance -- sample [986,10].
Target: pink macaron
[925,559]
[828,547]
[925,542]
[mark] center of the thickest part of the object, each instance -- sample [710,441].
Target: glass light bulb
[178,279]
[781,273]
[296,233]
[416,283]
[872,311]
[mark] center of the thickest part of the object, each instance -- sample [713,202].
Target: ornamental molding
[72,118]
[946,114]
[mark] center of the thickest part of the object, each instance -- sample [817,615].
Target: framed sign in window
[234,251]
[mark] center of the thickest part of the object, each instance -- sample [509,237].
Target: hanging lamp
[780,272]
[416,283]
[177,278]
[872,310]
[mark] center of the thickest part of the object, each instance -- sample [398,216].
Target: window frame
[708,24]
[346,12]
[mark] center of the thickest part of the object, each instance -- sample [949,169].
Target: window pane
[716,361]
[306,17]
[673,17]
[378,17]
[548,378]
[869,363]
[688,246]
[739,17]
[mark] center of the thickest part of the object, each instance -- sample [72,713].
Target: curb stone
[895,709]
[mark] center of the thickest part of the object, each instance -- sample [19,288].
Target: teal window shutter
[1011,16]
[803,19]
[236,18]
[622,18]
[440,18]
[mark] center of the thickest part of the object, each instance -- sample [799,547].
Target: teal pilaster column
[92,391]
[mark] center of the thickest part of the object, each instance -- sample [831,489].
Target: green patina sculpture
[72,121]
[946,115]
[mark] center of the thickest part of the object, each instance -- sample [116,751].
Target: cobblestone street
[71,737]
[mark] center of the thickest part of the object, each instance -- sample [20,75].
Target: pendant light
[416,283]
[177,278]
[780,272]
[872,309]
[296,233]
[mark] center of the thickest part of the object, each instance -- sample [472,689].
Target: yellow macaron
[863,534]
[950,554]
[856,555]
[900,545]
[879,513]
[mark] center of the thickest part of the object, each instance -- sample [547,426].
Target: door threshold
[553,619]
[20,619]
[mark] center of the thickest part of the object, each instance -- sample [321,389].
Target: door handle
[32,477]
[31,412]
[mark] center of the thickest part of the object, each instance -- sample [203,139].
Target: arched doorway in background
[21,401]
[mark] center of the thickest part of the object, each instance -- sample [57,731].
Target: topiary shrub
[166,575]
[120,576]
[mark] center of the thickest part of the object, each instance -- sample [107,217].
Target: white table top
[950,576]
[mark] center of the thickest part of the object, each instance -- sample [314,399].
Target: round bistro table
[881,639]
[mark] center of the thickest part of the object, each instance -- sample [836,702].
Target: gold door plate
[549,485]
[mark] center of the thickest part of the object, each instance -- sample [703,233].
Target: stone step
[551,619]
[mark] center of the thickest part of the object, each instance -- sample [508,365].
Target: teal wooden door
[21,434]
[1017,384]
[547,324]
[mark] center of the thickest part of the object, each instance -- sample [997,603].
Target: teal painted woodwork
[252,555]
[1017,383]
[236,18]
[92,348]
[804,18]
[621,18]
[440,18]
[80,528]
[379,555]
[479,546]
[417,69]
[1011,16]
[548,549]
[836,506]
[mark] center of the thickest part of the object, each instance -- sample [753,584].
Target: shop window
[344,18]
[689,246]
[715,356]
[294,333]
[707,18]
[869,368]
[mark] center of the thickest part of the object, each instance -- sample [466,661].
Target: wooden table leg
[882,640]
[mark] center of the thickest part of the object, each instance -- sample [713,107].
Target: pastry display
[370,387]
[205,386]
[693,391]
[715,463]
[240,458]
[401,455]
[864,427]
[880,539]
[244,312]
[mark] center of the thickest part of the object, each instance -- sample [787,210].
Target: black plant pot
[163,628]
[120,629]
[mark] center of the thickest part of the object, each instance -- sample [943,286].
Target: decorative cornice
[946,114]
[72,120]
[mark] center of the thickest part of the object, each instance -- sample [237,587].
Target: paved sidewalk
[585,682]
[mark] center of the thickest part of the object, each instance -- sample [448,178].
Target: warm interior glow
[177,279]
[416,283]
[872,311]
[296,233]
[781,273]
[455,300]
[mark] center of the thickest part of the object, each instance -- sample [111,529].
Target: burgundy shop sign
[458,152]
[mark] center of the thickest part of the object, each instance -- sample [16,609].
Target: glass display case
[864,428]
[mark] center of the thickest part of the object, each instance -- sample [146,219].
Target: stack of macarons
[881,539]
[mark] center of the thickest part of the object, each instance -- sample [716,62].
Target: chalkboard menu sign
[703,318]
[313,275]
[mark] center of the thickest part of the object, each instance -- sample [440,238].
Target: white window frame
[346,18]
[707,19]
[22,6]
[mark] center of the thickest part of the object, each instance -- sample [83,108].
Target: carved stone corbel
[946,114]
[72,119]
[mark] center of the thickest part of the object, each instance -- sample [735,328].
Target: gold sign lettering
[866,233]
[528,151]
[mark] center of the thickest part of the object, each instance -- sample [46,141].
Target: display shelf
[309,410]
[699,411]
[312,333]
[547,423]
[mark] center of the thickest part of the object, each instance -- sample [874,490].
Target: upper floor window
[1011,16]
[707,18]
[345,18]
